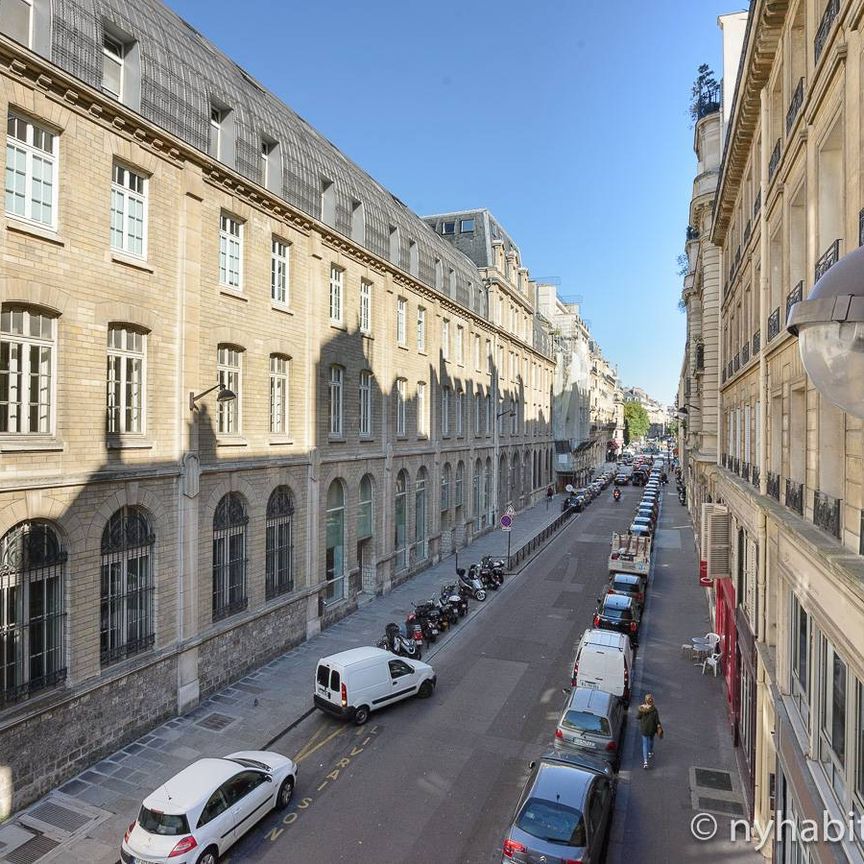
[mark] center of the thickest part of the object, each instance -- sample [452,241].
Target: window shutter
[715,540]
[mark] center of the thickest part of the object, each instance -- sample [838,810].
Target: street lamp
[829,325]
[683,410]
[224,395]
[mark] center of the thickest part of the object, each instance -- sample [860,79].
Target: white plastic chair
[714,661]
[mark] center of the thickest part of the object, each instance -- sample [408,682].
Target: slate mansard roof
[182,75]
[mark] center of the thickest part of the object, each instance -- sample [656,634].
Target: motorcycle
[429,619]
[414,631]
[454,597]
[399,643]
[497,567]
[616,495]
[447,616]
[484,574]
[682,498]
[470,583]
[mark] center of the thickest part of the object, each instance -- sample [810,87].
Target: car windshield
[626,587]
[583,721]
[249,763]
[166,824]
[614,614]
[552,821]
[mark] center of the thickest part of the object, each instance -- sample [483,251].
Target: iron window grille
[757,204]
[229,556]
[827,260]
[795,105]
[774,485]
[754,476]
[32,613]
[774,324]
[126,577]
[826,513]
[774,160]
[795,496]
[757,342]
[824,29]
[793,297]
[745,353]
[279,551]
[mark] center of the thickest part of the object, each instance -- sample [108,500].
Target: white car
[199,813]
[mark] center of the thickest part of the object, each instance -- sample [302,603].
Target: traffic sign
[506,522]
[510,511]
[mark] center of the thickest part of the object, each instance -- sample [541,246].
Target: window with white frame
[365,403]
[280,366]
[400,406]
[421,329]
[113,52]
[365,306]
[445,339]
[128,211]
[460,344]
[271,169]
[448,227]
[279,271]
[27,342]
[125,380]
[832,715]
[217,117]
[422,410]
[445,410]
[401,313]
[337,377]
[466,226]
[336,298]
[230,252]
[228,370]
[859,745]
[18,21]
[31,169]
[460,412]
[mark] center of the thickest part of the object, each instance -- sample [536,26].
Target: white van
[353,683]
[604,661]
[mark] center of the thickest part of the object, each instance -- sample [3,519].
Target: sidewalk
[694,769]
[84,820]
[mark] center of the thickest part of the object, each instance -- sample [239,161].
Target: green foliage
[672,428]
[703,90]
[635,421]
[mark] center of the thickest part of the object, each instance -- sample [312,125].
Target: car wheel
[286,790]
[209,856]
[427,688]
[361,715]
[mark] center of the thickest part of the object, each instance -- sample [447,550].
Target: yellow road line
[318,746]
[310,742]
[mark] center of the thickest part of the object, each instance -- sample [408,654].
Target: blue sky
[568,120]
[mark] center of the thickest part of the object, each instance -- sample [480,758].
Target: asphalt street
[438,779]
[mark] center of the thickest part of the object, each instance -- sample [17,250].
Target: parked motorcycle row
[436,615]
[579,499]
[682,489]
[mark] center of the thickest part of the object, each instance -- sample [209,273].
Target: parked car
[622,479]
[563,814]
[644,522]
[353,683]
[194,817]
[619,613]
[604,661]
[639,530]
[628,584]
[592,720]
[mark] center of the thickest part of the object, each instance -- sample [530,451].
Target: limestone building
[170,228]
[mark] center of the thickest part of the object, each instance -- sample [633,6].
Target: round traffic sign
[506,521]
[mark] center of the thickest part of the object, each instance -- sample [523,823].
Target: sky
[567,119]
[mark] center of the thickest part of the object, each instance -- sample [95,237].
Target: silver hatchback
[592,721]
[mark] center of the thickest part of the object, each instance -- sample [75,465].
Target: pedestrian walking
[649,726]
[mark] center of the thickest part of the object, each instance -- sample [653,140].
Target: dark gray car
[592,721]
[563,814]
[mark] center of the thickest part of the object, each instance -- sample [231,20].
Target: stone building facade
[241,384]
[786,512]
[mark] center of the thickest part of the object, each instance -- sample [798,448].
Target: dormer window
[466,226]
[448,228]
[217,118]
[113,52]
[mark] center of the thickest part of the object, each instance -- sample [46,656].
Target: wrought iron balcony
[708,102]
[824,30]
[795,105]
[745,353]
[774,486]
[747,232]
[795,496]
[861,227]
[723,375]
[729,369]
[736,362]
[736,465]
[737,256]
[757,342]
[754,476]
[745,470]
[774,161]
[773,323]
[757,204]
[692,233]
[826,513]
[724,458]
[700,357]
[829,258]
[794,296]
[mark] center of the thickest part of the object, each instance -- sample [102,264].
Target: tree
[672,429]
[636,421]
[705,94]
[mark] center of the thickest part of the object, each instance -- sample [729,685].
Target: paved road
[438,779]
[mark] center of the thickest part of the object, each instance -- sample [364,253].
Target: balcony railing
[724,458]
[773,323]
[745,470]
[829,258]
[736,362]
[754,476]
[774,161]
[692,233]
[700,357]
[729,369]
[774,486]
[795,496]
[708,102]
[747,229]
[824,30]
[794,296]
[826,513]
[757,204]
[745,353]
[795,105]
[861,227]
[723,375]
[736,465]
[757,342]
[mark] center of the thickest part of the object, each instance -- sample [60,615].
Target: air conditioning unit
[715,540]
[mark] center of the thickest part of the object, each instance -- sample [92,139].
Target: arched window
[445,486]
[365,509]
[421,535]
[32,614]
[335,556]
[400,544]
[126,577]
[279,552]
[458,486]
[229,556]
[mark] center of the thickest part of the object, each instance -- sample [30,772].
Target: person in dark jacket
[649,726]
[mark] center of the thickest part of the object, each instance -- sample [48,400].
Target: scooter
[429,620]
[457,601]
[471,583]
[484,574]
[616,495]
[496,566]
[398,643]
